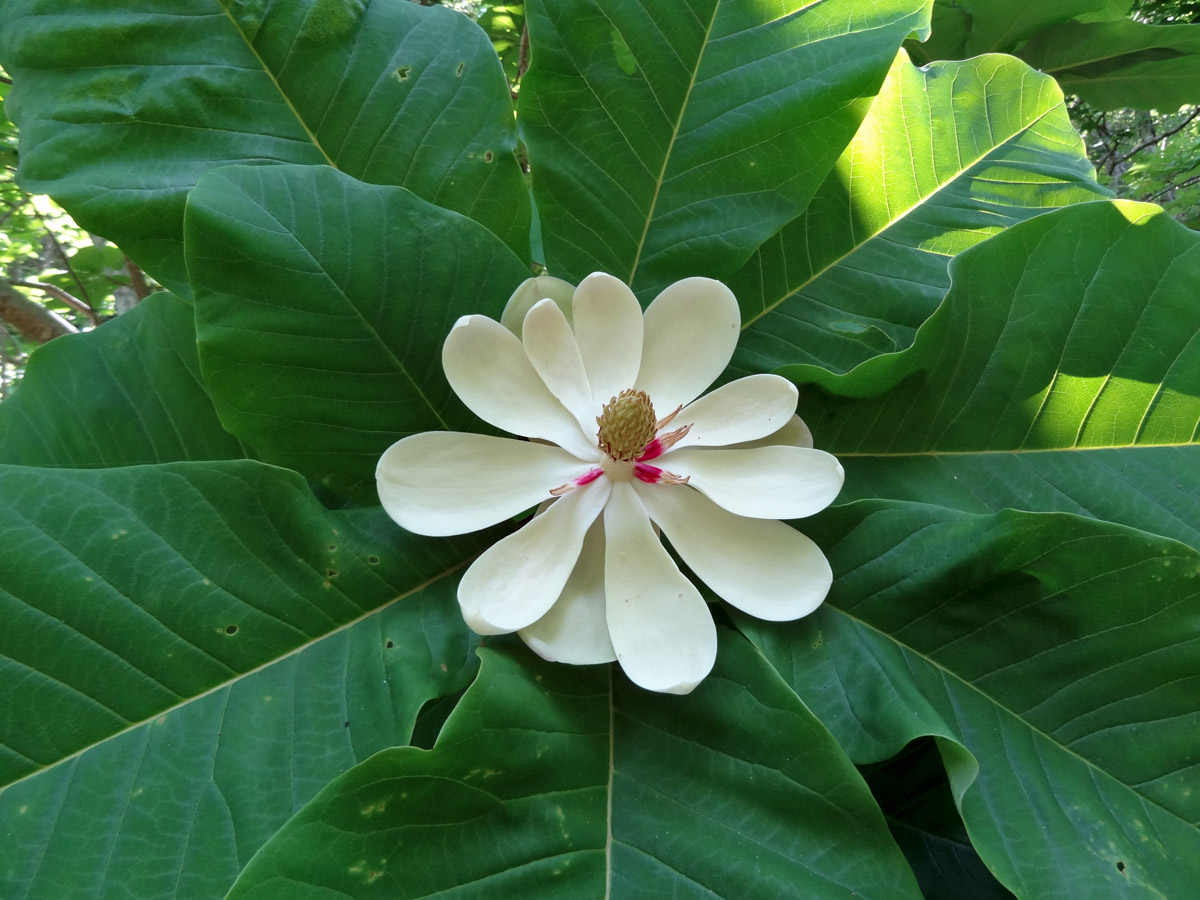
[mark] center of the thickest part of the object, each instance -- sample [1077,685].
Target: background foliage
[226,673]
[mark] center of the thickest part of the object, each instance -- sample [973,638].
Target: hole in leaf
[346,724]
[1120,866]
[390,644]
[331,573]
[458,72]
[489,156]
[231,629]
[403,71]
[372,560]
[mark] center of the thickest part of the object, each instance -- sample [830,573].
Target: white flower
[619,440]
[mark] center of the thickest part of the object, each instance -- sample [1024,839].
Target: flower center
[629,436]
[627,424]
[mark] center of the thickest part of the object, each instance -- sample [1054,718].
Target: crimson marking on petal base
[661,445]
[655,475]
[585,478]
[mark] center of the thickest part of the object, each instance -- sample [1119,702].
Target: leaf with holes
[194,650]
[122,107]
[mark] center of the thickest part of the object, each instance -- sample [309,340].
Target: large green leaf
[672,139]
[124,394]
[129,591]
[1122,63]
[1061,373]
[1054,658]
[948,155]
[337,354]
[1004,24]
[565,784]
[988,25]
[196,652]
[915,796]
[174,807]
[122,105]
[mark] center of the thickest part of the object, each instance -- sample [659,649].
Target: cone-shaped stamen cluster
[627,424]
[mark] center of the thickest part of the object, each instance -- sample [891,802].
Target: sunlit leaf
[948,155]
[1062,373]
[669,140]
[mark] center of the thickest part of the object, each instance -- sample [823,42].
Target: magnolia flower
[619,445]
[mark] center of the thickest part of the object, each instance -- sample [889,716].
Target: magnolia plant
[266,535]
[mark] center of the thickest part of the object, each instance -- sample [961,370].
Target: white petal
[488,369]
[529,293]
[793,434]
[691,330]
[761,566]
[515,581]
[744,410]
[551,347]
[575,630]
[660,626]
[445,482]
[765,482]
[608,326]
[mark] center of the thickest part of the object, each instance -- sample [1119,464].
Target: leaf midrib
[345,626]
[287,101]
[953,677]
[1012,451]
[662,172]
[920,201]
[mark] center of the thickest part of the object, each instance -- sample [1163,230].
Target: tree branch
[73,302]
[1154,140]
[137,279]
[1195,179]
[29,319]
